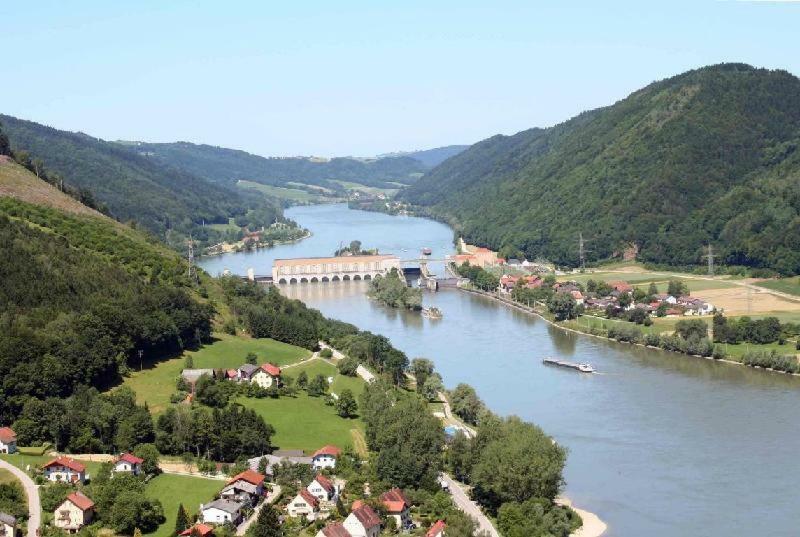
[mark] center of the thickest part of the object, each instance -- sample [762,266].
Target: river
[659,444]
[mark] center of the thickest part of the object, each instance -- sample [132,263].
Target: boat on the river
[427,251]
[432,313]
[582,367]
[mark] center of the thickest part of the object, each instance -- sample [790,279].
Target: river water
[659,444]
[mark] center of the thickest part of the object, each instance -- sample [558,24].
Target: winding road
[32,491]
[469,507]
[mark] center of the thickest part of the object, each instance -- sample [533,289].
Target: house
[304,504]
[222,511]
[8,440]
[232,374]
[76,511]
[277,457]
[566,287]
[128,463]
[437,530]
[247,371]
[674,312]
[397,507]
[669,299]
[325,457]
[266,376]
[8,523]
[334,529]
[246,487]
[203,530]
[533,282]
[621,287]
[507,283]
[65,469]
[578,296]
[362,521]
[322,488]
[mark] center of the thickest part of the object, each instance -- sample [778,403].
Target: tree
[251,358]
[466,404]
[263,464]
[677,288]
[591,286]
[421,368]
[318,386]
[150,455]
[346,405]
[661,311]
[302,380]
[267,523]
[433,385]
[188,363]
[652,290]
[689,328]
[563,306]
[625,300]
[181,519]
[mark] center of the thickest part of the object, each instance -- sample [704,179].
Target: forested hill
[133,187]
[432,157]
[81,294]
[227,166]
[708,156]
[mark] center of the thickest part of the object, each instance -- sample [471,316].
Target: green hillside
[134,187]
[227,166]
[709,156]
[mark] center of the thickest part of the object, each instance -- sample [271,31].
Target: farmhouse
[322,488]
[245,487]
[76,511]
[8,440]
[128,463]
[65,469]
[325,457]
[8,525]
[304,504]
[222,511]
[363,521]
[266,376]
[397,507]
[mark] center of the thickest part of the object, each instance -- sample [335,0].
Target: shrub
[652,340]
[326,353]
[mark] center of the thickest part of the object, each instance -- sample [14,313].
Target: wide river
[659,444]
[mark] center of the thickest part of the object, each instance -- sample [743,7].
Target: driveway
[464,503]
[32,491]
[273,495]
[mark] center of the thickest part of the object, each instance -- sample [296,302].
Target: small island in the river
[393,291]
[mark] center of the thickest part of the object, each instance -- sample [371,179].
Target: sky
[359,78]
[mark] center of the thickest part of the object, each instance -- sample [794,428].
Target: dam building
[332,269]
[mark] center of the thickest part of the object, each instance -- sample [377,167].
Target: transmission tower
[710,257]
[192,267]
[582,250]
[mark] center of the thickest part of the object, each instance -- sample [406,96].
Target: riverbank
[533,311]
[232,248]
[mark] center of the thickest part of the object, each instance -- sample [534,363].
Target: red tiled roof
[621,286]
[80,500]
[271,369]
[333,451]
[203,529]
[335,529]
[7,435]
[436,529]
[127,457]
[324,482]
[231,374]
[577,295]
[367,516]
[395,500]
[251,476]
[72,464]
[309,498]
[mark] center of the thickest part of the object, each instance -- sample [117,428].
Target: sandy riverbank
[592,525]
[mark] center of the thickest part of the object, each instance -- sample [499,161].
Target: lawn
[156,382]
[35,461]
[660,324]
[349,185]
[292,194]
[304,422]
[784,285]
[230,226]
[737,351]
[7,477]
[644,279]
[172,490]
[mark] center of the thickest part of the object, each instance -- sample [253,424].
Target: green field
[784,285]
[737,351]
[349,185]
[230,226]
[660,324]
[156,382]
[304,422]
[292,194]
[172,490]
[644,279]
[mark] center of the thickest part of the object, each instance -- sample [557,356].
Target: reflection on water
[659,444]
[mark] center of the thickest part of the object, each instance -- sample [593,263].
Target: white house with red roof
[397,507]
[304,504]
[437,530]
[65,469]
[247,486]
[266,376]
[325,457]
[322,488]
[8,440]
[362,521]
[128,463]
[76,511]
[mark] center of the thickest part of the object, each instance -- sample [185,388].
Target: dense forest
[226,166]
[431,157]
[136,188]
[709,156]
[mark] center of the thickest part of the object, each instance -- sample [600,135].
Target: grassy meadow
[784,285]
[173,490]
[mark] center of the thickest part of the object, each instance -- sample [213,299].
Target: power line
[710,257]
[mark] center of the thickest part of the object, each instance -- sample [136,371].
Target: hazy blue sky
[359,78]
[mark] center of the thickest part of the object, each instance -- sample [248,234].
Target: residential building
[397,507]
[203,530]
[325,457]
[246,487]
[578,296]
[322,488]
[8,440]
[669,299]
[128,463]
[437,530]
[65,469]
[363,521]
[621,287]
[222,511]
[304,504]
[266,376]
[334,529]
[76,511]
[8,525]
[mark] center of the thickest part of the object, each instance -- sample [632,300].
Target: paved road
[274,494]
[34,506]
[463,502]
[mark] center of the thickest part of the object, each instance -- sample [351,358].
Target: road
[448,413]
[463,502]
[32,491]
[274,494]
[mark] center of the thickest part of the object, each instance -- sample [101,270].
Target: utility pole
[710,257]
[141,352]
